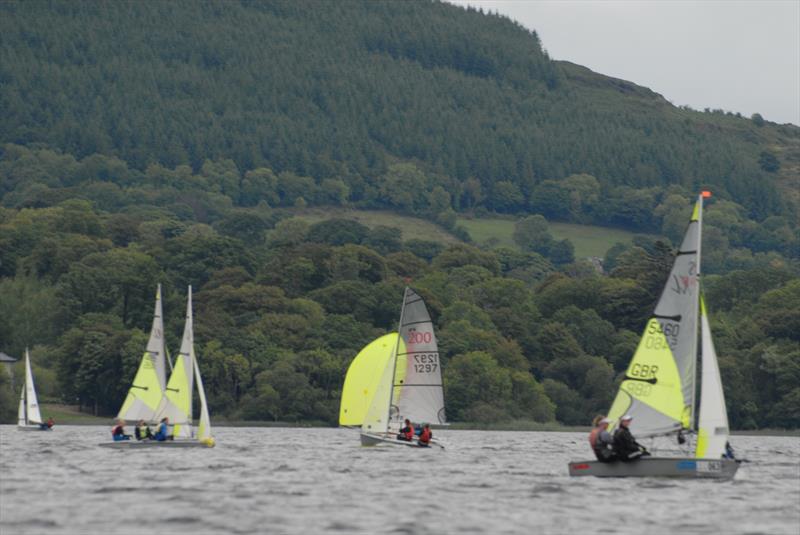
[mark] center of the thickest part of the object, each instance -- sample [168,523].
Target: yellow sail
[145,393]
[363,378]
[179,395]
[651,391]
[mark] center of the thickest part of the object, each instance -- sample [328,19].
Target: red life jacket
[425,436]
[409,433]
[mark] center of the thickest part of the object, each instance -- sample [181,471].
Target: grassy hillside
[588,240]
[411,227]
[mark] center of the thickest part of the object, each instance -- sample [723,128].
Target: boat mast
[394,356]
[703,195]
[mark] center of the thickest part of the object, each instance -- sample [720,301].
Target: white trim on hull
[680,467]
[136,444]
[33,428]
[368,439]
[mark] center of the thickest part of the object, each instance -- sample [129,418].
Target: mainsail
[418,393]
[363,377]
[712,428]
[28,412]
[407,384]
[144,396]
[177,401]
[659,385]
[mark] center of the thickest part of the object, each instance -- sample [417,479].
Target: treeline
[282,306]
[35,178]
[348,93]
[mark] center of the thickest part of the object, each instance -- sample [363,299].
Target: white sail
[147,389]
[32,414]
[177,401]
[204,427]
[712,428]
[417,393]
[21,413]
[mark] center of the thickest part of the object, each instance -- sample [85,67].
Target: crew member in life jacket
[407,432]
[163,430]
[426,436]
[625,445]
[142,431]
[601,441]
[118,431]
[44,426]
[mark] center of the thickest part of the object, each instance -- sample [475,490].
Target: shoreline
[69,416]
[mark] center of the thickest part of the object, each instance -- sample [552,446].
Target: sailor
[407,432]
[625,445]
[142,431]
[728,454]
[601,441]
[118,431]
[426,436]
[163,427]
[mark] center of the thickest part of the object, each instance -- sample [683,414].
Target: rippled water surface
[321,480]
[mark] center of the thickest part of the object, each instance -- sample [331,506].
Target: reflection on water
[321,480]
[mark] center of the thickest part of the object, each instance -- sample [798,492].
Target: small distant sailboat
[29,418]
[396,377]
[659,385]
[176,401]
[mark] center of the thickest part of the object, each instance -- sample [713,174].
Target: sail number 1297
[426,362]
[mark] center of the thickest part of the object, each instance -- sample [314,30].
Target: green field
[69,415]
[412,227]
[588,240]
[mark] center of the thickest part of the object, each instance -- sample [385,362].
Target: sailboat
[28,416]
[176,401]
[396,377]
[658,390]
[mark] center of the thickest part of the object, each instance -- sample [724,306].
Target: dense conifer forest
[180,142]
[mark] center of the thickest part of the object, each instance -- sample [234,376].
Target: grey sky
[735,55]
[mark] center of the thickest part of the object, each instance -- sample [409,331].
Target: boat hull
[368,439]
[138,444]
[680,467]
[33,428]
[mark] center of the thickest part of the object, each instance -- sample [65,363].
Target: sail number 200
[426,363]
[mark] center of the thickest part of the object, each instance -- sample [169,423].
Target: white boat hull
[137,444]
[369,439]
[679,467]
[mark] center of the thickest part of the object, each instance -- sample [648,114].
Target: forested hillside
[173,143]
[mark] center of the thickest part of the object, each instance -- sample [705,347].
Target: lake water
[266,480]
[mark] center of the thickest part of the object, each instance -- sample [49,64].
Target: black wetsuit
[625,445]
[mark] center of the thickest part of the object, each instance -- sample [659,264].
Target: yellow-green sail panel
[651,391]
[145,393]
[363,376]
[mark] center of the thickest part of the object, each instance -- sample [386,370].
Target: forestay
[144,396]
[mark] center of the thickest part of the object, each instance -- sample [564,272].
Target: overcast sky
[736,55]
